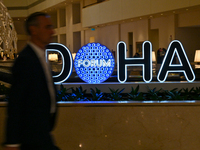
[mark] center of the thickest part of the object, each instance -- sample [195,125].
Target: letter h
[145,61]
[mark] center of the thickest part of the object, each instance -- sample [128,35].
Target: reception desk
[147,125]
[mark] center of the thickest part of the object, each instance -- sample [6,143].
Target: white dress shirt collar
[40,52]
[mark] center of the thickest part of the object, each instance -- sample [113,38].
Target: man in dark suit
[32,102]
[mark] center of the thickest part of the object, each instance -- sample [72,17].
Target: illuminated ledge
[104,87]
[123,103]
[128,103]
[2,104]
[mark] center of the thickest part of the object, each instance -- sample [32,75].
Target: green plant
[196,94]
[61,94]
[197,90]
[115,94]
[77,94]
[153,94]
[174,94]
[188,94]
[135,94]
[96,95]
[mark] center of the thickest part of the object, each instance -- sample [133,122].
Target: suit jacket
[29,120]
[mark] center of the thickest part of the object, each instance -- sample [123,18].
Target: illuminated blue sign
[94,63]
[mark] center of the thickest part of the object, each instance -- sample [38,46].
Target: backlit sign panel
[94,63]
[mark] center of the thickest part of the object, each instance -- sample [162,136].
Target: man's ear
[33,30]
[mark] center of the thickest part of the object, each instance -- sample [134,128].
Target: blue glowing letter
[167,66]
[66,59]
[145,61]
[94,63]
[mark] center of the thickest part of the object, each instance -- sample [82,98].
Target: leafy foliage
[135,94]
[78,94]
[153,94]
[96,95]
[115,95]
[174,95]
[61,94]
[188,94]
[196,94]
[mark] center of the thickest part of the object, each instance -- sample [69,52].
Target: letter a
[167,66]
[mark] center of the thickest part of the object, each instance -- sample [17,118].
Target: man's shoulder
[26,57]
[27,54]
[26,51]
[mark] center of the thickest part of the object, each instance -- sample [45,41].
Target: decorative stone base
[125,126]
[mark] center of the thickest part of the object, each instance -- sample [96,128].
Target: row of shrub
[79,94]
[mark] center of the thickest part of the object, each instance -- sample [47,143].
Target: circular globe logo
[94,63]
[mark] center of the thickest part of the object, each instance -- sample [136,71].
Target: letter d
[67,61]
